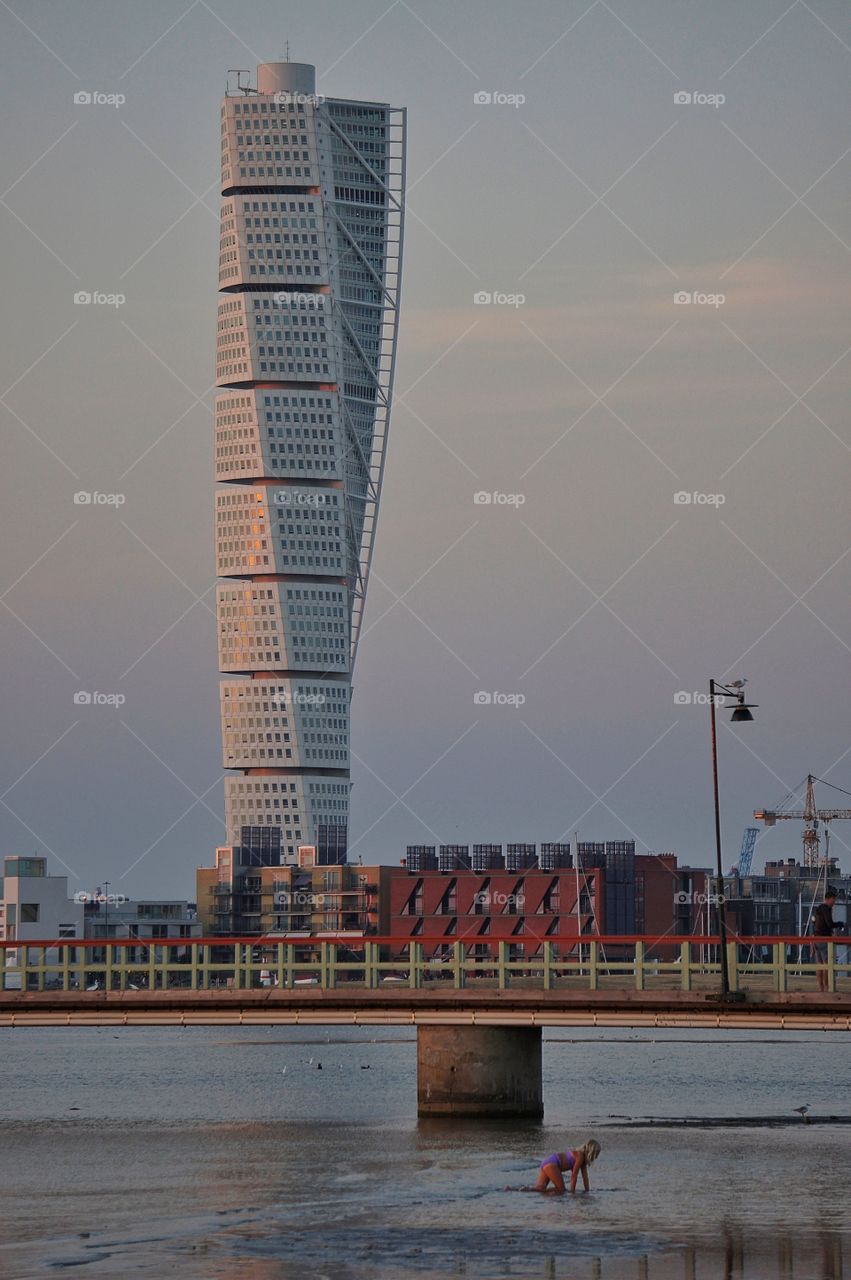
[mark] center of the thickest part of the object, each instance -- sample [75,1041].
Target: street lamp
[741,713]
[106,905]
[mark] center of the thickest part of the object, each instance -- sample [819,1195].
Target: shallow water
[228,1153]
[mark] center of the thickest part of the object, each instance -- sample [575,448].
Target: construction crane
[809,815]
[746,854]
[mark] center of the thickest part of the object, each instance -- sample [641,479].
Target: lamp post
[741,713]
[106,908]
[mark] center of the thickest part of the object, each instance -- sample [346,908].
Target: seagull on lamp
[802,1112]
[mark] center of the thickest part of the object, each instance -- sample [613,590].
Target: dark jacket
[823,922]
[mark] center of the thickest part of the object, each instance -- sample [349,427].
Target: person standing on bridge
[554,1167]
[824,927]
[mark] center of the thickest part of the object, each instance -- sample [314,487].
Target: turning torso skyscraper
[309,273]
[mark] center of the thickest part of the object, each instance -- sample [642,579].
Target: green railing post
[290,966]
[780,970]
[331,965]
[733,965]
[370,959]
[831,965]
[639,966]
[593,965]
[548,966]
[459,956]
[415,973]
[502,972]
[65,952]
[685,966]
[193,962]
[280,971]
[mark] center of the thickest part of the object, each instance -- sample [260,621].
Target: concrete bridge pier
[479,1071]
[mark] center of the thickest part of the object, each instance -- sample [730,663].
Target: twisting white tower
[309,273]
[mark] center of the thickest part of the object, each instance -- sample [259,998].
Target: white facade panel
[287,432]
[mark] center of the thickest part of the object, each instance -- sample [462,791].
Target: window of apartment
[67,931]
[29,912]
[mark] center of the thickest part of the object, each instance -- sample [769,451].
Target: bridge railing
[294,962]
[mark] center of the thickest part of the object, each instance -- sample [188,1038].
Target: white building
[35,906]
[309,270]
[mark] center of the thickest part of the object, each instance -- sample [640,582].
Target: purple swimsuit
[556,1159]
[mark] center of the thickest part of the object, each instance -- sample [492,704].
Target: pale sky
[586,194]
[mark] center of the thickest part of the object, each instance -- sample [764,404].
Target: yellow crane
[809,815]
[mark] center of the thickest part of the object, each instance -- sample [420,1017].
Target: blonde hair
[590,1150]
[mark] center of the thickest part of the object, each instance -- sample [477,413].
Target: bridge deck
[758,1010]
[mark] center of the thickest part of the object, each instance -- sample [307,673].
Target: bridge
[478,1016]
